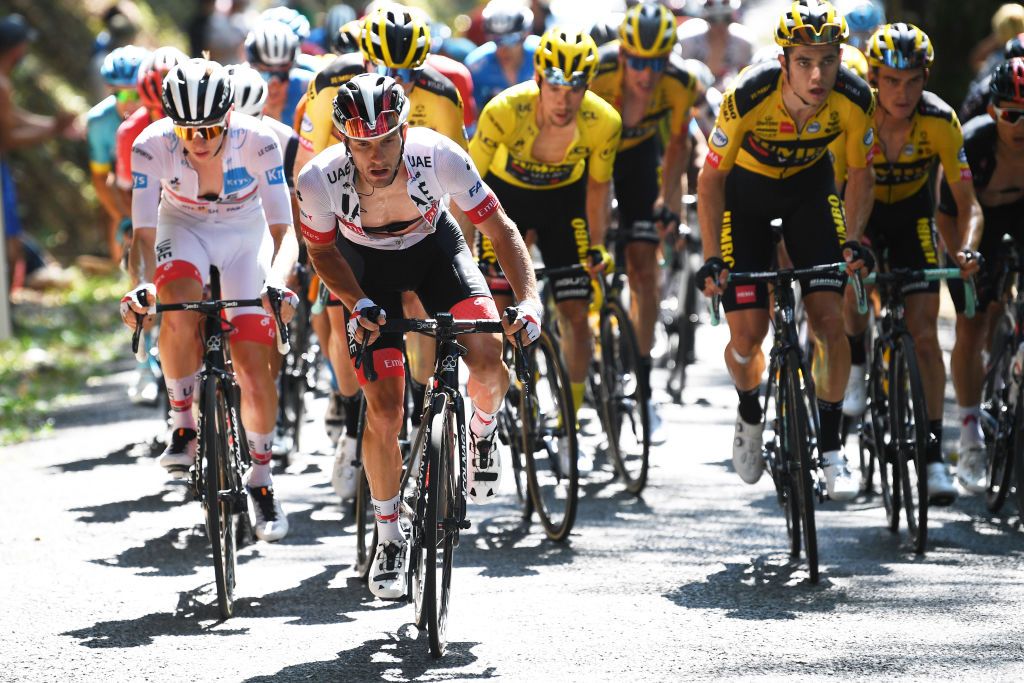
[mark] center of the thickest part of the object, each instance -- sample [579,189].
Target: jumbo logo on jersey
[236,178]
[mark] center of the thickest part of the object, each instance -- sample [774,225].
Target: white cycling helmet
[292,18]
[250,89]
[197,93]
[272,43]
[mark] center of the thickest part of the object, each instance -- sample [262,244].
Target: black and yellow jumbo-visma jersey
[755,132]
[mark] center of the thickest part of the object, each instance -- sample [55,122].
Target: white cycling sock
[179,393]
[970,425]
[386,513]
[482,424]
[259,449]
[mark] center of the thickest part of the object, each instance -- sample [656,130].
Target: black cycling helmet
[606,30]
[1014,47]
[1007,82]
[197,93]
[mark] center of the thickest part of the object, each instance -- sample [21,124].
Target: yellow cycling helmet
[648,30]
[855,60]
[566,57]
[900,46]
[396,37]
[811,22]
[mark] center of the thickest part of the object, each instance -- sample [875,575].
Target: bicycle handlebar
[902,276]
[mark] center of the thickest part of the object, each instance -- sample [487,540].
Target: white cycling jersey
[438,170]
[164,182]
[289,141]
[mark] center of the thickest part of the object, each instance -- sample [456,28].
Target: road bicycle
[298,371]
[679,312]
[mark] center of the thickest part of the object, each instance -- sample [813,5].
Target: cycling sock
[350,406]
[858,352]
[934,451]
[179,393]
[831,415]
[578,389]
[259,449]
[482,424]
[970,425]
[750,405]
[386,513]
[419,392]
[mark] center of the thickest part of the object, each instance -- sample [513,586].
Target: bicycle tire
[1001,451]
[996,402]
[438,539]
[548,424]
[799,398]
[293,382]
[886,461]
[911,430]
[365,519]
[1018,454]
[215,445]
[778,462]
[510,433]
[625,397]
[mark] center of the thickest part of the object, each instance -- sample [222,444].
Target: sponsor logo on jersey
[714,159]
[306,126]
[746,294]
[138,151]
[786,127]
[869,137]
[476,188]
[275,176]
[719,138]
[813,127]
[419,162]
[265,150]
[908,151]
[236,178]
[140,181]
[961,156]
[535,173]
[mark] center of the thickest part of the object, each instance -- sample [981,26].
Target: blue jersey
[298,82]
[488,78]
[102,122]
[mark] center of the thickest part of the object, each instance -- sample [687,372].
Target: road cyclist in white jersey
[209,190]
[375,216]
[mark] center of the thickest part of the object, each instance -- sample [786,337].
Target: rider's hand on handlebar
[528,318]
[969,261]
[139,301]
[289,302]
[713,276]
[858,258]
[601,261]
[360,324]
[665,220]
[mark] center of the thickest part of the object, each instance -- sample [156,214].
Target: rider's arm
[599,172]
[512,254]
[268,165]
[859,200]
[146,174]
[710,207]
[19,128]
[969,222]
[860,176]
[598,207]
[677,154]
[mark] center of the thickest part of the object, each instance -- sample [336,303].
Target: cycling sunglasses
[1011,116]
[127,95]
[509,39]
[204,132]
[274,75]
[407,75]
[555,76]
[829,34]
[655,64]
[360,129]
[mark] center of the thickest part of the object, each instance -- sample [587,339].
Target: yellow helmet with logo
[396,37]
[566,57]
[811,22]
[900,46]
[855,60]
[648,30]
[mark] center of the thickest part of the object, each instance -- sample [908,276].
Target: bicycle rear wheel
[878,412]
[548,428]
[439,526]
[1001,454]
[799,432]
[995,402]
[219,491]
[293,381]
[910,429]
[1018,454]
[624,397]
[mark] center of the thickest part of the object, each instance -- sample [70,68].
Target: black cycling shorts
[813,227]
[637,178]
[440,269]
[559,218]
[902,235]
[1007,219]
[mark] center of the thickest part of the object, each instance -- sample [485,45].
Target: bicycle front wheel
[219,491]
[882,436]
[910,429]
[440,526]
[1001,448]
[625,397]
[778,452]
[799,430]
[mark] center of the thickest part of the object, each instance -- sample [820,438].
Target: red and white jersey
[163,180]
[438,168]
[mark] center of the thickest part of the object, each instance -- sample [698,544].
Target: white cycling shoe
[855,400]
[941,489]
[180,453]
[390,570]
[840,483]
[484,467]
[747,458]
[344,472]
[972,467]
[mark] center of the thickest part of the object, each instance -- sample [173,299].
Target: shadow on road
[119,511]
[128,454]
[404,656]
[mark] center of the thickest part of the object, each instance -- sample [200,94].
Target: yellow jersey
[935,135]
[434,103]
[755,132]
[672,99]
[507,128]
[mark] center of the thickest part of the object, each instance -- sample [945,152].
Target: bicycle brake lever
[141,353]
[713,309]
[282,338]
[970,296]
[362,359]
[858,291]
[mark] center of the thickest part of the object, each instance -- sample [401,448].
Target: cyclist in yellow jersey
[649,86]
[767,159]
[913,130]
[547,149]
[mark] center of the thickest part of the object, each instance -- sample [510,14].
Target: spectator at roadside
[1007,22]
[226,32]
[121,25]
[198,26]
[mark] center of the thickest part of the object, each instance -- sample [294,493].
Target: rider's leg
[250,356]
[180,348]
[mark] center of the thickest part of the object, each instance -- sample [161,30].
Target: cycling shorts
[636,175]
[902,235]
[813,227]
[559,219]
[441,271]
[1007,219]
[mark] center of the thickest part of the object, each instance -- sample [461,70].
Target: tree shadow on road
[128,454]
[179,552]
[402,656]
[119,511]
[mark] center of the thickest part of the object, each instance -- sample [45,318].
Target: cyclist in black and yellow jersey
[767,159]
[547,148]
[395,42]
[650,87]
[913,129]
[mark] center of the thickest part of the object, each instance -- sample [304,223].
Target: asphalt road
[106,575]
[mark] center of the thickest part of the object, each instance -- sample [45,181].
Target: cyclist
[767,159]
[507,57]
[976,101]
[863,17]
[914,129]
[547,149]
[250,98]
[717,40]
[995,151]
[119,70]
[650,87]
[398,180]
[207,184]
[271,48]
